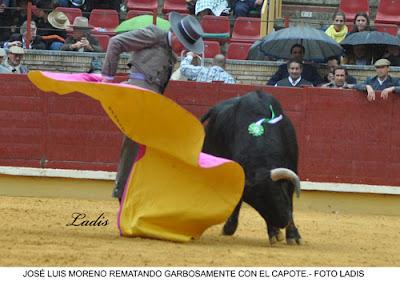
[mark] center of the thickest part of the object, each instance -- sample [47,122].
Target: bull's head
[271,192]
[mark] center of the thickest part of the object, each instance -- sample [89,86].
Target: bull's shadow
[254,131]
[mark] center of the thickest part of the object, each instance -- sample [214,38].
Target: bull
[254,131]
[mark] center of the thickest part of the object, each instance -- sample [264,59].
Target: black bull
[269,159]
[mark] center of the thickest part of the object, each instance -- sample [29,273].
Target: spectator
[177,75]
[55,37]
[243,7]
[19,39]
[6,19]
[361,23]
[309,72]
[379,82]
[338,30]
[2,55]
[13,63]
[333,63]
[358,55]
[294,79]
[339,80]
[81,40]
[211,7]
[393,55]
[206,74]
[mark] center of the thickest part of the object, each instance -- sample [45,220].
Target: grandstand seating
[105,20]
[134,13]
[103,40]
[142,5]
[71,13]
[389,28]
[211,48]
[238,51]
[351,8]
[216,24]
[246,30]
[179,6]
[388,12]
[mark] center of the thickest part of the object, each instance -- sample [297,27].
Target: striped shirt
[204,74]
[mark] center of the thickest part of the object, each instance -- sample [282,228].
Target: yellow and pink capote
[174,191]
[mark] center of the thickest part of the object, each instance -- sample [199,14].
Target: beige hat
[2,52]
[58,20]
[81,23]
[16,50]
[382,63]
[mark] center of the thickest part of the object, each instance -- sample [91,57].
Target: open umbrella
[375,40]
[318,46]
[370,38]
[142,21]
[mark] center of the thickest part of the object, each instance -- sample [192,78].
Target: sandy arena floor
[33,232]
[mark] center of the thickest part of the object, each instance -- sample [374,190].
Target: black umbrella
[318,46]
[370,38]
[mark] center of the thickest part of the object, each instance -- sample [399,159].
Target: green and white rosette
[257,129]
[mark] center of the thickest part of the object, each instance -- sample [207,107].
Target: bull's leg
[274,234]
[292,235]
[232,221]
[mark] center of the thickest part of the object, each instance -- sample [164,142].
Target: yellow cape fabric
[174,192]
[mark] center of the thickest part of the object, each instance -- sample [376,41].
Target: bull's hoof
[292,242]
[229,227]
[293,236]
[273,240]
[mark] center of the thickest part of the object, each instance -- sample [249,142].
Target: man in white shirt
[206,74]
[295,68]
[14,58]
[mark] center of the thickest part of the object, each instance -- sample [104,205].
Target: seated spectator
[294,79]
[358,55]
[309,72]
[81,40]
[2,57]
[243,7]
[56,34]
[361,23]
[20,39]
[211,7]
[340,75]
[393,55]
[14,58]
[6,19]
[379,82]
[206,74]
[338,30]
[332,64]
[177,75]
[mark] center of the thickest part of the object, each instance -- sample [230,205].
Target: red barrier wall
[342,137]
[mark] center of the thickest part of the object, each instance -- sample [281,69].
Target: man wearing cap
[379,82]
[81,40]
[13,63]
[151,67]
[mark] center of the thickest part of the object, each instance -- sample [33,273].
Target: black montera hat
[188,31]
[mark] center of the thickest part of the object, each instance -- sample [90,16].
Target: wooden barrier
[342,136]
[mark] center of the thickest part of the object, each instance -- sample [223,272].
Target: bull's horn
[285,173]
